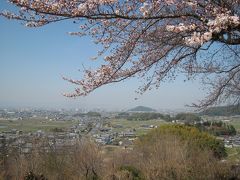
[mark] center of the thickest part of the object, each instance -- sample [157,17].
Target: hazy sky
[32,61]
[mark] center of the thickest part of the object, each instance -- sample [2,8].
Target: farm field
[136,125]
[236,124]
[120,125]
[31,125]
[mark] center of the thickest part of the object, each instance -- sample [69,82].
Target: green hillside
[222,111]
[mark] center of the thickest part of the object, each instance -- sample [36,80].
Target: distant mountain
[222,111]
[142,109]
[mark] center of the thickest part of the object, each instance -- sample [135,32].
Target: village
[98,126]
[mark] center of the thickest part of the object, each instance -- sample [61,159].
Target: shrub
[31,176]
[191,135]
[179,152]
[133,172]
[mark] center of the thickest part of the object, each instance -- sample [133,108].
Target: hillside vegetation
[222,111]
[144,116]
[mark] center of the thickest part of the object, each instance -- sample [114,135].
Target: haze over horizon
[33,60]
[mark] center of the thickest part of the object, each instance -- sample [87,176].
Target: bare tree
[151,39]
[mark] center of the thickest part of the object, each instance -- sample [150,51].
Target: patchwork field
[31,125]
[125,125]
[140,127]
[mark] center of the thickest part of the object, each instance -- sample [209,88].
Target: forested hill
[142,109]
[222,111]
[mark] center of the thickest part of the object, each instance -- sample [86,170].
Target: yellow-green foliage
[188,134]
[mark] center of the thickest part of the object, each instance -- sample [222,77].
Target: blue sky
[32,61]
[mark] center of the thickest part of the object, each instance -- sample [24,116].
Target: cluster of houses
[39,140]
[92,125]
[232,141]
[62,140]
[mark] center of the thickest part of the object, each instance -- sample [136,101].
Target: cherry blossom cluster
[92,4]
[213,26]
[198,39]
[222,22]
[180,28]
[145,9]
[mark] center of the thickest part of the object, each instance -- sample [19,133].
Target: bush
[187,134]
[179,152]
[31,176]
[133,172]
